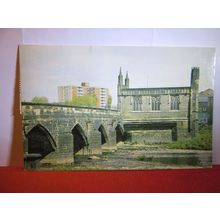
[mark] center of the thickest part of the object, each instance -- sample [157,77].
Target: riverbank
[138,157]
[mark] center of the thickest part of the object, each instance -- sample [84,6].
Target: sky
[44,68]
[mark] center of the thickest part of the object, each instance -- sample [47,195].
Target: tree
[85,100]
[41,99]
[109,101]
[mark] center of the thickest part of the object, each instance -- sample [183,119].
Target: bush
[203,141]
[141,158]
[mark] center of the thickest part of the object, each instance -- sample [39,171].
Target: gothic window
[137,103]
[155,103]
[174,102]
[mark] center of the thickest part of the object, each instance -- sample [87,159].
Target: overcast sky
[44,68]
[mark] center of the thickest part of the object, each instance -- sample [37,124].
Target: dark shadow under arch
[119,133]
[40,141]
[104,137]
[79,138]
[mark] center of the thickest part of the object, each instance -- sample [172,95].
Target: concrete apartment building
[68,93]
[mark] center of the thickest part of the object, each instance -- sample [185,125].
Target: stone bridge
[58,132]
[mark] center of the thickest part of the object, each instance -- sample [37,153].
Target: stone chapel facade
[157,115]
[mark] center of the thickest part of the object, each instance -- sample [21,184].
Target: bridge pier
[112,137]
[95,144]
[63,153]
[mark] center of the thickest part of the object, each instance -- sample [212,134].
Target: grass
[203,141]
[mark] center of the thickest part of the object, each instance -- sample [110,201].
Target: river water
[138,157]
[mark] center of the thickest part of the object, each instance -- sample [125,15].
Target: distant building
[68,93]
[205,107]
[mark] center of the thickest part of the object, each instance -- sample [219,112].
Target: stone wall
[146,112]
[151,136]
[165,115]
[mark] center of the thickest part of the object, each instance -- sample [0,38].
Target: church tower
[194,102]
[120,79]
[127,81]
[120,86]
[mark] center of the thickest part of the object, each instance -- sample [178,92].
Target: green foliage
[203,141]
[141,158]
[41,99]
[84,100]
[109,101]
[144,158]
[27,107]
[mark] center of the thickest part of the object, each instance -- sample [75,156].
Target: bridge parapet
[44,108]
[53,107]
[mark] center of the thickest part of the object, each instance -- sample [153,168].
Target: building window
[155,103]
[175,100]
[137,103]
[204,109]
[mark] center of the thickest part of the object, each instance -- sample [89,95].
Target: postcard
[116,107]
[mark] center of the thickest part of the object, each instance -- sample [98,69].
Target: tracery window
[137,103]
[175,100]
[155,103]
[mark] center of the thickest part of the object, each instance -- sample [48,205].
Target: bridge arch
[119,133]
[104,137]
[79,138]
[40,141]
